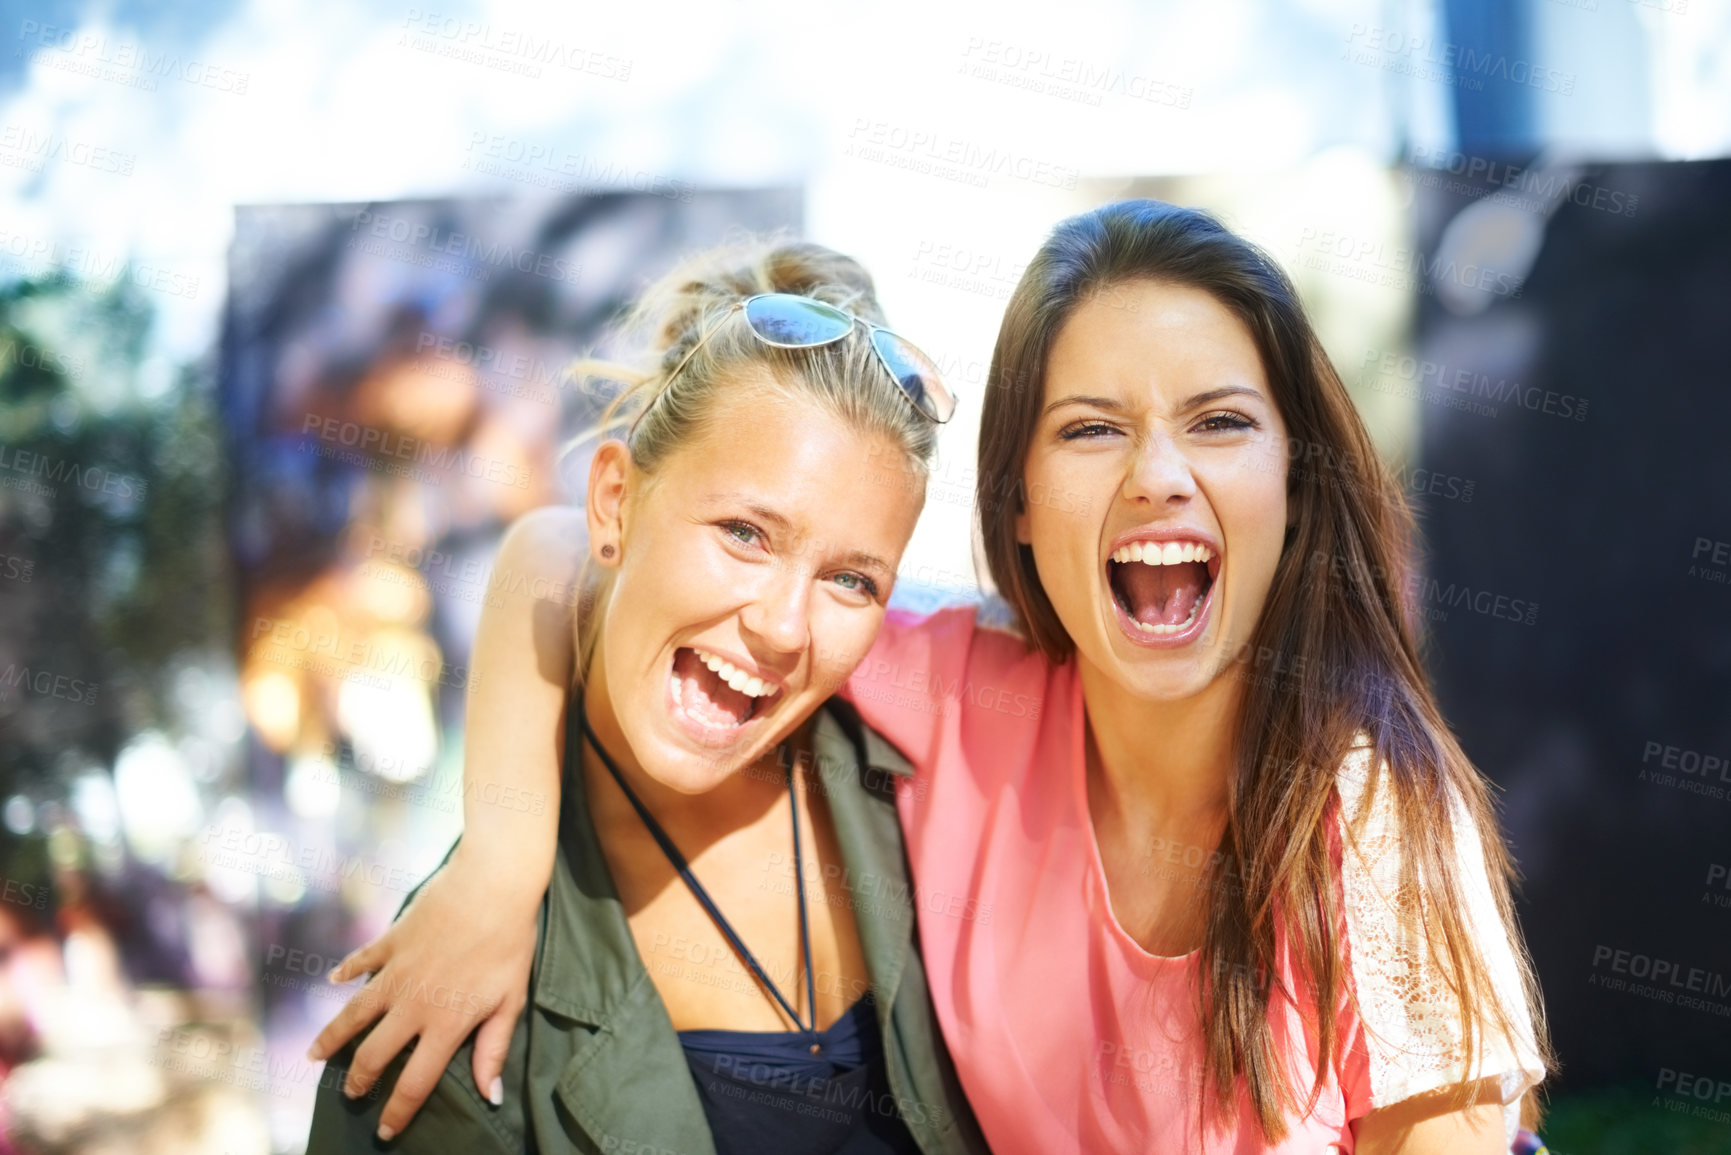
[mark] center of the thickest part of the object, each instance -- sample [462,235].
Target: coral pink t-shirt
[1067,1035]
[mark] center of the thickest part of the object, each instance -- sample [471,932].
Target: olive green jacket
[595,1064]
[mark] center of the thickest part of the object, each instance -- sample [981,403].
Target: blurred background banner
[288,298]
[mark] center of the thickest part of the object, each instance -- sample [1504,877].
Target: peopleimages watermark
[467,249]
[1386,265]
[926,691]
[438,567]
[1531,187]
[29,355]
[1660,980]
[300,646]
[393,778]
[1681,768]
[560,170]
[520,51]
[495,368]
[1463,66]
[32,465]
[867,890]
[1718,878]
[1710,561]
[47,684]
[293,968]
[197,1055]
[1146,1069]
[1670,7]
[965,269]
[1304,674]
[273,856]
[715,965]
[33,895]
[131,65]
[37,255]
[1317,460]
[376,442]
[1691,1094]
[1430,597]
[1200,867]
[29,149]
[1388,371]
[930,152]
[1069,78]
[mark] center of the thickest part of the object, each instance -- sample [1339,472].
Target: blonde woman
[707,974]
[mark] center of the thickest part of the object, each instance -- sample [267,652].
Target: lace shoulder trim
[1409,1010]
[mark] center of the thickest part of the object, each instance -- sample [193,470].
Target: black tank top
[764,1091]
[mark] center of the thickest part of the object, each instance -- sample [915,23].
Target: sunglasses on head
[790,321]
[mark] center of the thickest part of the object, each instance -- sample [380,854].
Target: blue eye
[859,582]
[742,532]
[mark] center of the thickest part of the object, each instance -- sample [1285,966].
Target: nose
[1160,473]
[779,614]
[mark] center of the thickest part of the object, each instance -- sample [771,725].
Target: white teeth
[748,684]
[1171,553]
[1159,631]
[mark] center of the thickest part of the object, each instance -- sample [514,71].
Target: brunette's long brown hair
[1335,654]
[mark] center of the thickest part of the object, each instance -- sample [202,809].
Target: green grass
[1627,1122]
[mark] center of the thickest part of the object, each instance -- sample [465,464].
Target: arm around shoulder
[522,666]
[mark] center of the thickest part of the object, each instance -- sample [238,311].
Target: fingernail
[387,1132]
[336,975]
[351,1090]
[496,1092]
[314,1055]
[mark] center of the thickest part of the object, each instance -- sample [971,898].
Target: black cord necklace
[702,895]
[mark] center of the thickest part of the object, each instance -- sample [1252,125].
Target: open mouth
[716,694]
[1162,587]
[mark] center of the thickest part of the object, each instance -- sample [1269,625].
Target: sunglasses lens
[796,322]
[917,375]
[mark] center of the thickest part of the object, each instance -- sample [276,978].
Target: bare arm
[520,672]
[471,929]
[1434,1124]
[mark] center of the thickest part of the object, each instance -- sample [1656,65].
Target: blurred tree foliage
[112,569]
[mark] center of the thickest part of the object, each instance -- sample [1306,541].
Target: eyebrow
[1196,401]
[857,558]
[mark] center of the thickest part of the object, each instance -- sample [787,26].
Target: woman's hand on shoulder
[458,959]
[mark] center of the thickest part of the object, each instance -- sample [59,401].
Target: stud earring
[607,551]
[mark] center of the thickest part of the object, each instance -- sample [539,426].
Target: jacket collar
[862,806]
